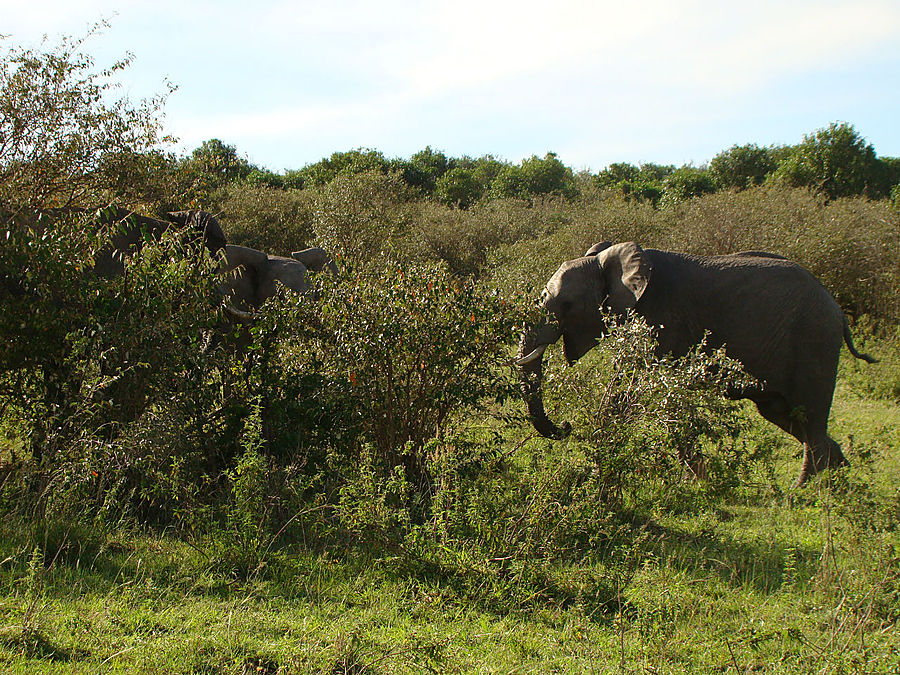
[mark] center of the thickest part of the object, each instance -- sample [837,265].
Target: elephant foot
[818,459]
[693,466]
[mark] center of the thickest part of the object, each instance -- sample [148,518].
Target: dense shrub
[459,187]
[119,389]
[209,168]
[344,164]
[742,166]
[533,177]
[636,415]
[414,348]
[835,161]
[359,216]
[686,183]
[464,239]
[424,169]
[266,218]
[644,183]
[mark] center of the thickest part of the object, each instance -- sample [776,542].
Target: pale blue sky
[667,81]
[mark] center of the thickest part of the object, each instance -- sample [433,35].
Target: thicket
[378,411]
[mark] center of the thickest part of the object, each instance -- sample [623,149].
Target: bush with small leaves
[65,138]
[742,166]
[459,187]
[413,348]
[835,161]
[686,183]
[636,415]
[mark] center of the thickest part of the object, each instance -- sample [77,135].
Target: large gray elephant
[252,277]
[129,230]
[770,314]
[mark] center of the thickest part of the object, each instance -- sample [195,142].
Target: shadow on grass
[592,576]
[32,644]
[765,567]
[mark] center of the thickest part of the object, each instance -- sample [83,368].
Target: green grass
[769,579]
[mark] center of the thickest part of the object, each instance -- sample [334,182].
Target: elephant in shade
[771,315]
[129,230]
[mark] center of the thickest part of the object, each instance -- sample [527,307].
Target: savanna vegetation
[360,491]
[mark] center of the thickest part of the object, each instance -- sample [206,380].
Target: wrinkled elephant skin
[770,314]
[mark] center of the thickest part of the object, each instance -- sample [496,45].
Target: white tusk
[238,314]
[533,356]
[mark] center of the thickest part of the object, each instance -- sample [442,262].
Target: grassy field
[767,579]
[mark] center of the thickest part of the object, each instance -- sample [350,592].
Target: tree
[64,135]
[835,161]
[742,166]
[459,187]
[617,172]
[210,167]
[686,183]
[425,168]
[642,183]
[347,163]
[509,183]
[535,176]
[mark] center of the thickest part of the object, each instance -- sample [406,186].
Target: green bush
[686,183]
[463,239]
[644,183]
[344,164]
[535,176]
[209,168]
[835,161]
[110,386]
[65,138]
[411,348]
[424,169]
[361,215]
[742,166]
[634,415]
[458,187]
[277,221]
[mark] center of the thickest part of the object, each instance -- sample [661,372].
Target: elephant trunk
[531,366]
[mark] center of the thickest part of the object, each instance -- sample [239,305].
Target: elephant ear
[289,272]
[315,259]
[236,256]
[626,271]
[597,248]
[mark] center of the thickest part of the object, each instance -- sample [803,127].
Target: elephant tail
[849,340]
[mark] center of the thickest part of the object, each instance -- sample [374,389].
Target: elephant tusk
[239,314]
[532,356]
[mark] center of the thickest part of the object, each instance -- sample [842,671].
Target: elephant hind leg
[820,451]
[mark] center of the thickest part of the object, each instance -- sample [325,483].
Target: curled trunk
[531,367]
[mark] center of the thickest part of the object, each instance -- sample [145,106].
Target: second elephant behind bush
[251,275]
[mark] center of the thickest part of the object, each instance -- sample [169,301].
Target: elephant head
[199,224]
[252,277]
[129,230]
[611,278]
